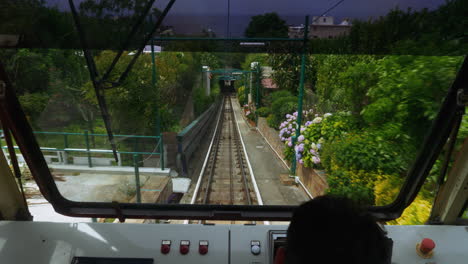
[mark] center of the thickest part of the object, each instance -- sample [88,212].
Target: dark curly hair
[331,229]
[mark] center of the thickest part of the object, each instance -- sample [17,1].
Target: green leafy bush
[356,185]
[263,111]
[271,121]
[316,131]
[282,106]
[277,105]
[241,95]
[34,103]
[366,151]
[277,95]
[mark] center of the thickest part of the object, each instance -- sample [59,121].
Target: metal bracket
[2,90]
[462,98]
[118,211]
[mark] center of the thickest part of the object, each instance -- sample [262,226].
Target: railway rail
[226,178]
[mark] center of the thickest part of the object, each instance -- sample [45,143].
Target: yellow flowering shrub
[387,188]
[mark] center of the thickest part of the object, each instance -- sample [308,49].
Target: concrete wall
[272,135]
[164,184]
[314,181]
[170,148]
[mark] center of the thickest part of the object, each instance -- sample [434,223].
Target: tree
[267,25]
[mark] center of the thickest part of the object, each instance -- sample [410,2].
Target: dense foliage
[280,103]
[268,25]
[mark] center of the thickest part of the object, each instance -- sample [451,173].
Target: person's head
[334,230]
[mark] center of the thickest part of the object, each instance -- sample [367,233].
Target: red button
[202,249]
[165,249]
[184,249]
[427,245]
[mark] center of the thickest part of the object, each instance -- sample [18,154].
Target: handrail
[197,120]
[88,151]
[189,138]
[82,134]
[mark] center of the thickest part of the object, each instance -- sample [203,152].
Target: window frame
[13,117]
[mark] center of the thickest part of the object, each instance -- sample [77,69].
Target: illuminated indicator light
[184,247]
[203,247]
[425,248]
[165,246]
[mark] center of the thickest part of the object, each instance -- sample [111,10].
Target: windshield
[339,102]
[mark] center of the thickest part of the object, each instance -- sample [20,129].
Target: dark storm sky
[193,15]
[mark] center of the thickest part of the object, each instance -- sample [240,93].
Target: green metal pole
[259,72]
[246,91]
[257,97]
[137,178]
[158,100]
[90,164]
[301,94]
[161,150]
[154,81]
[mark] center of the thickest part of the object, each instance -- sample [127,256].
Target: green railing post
[158,112]
[246,91]
[257,94]
[161,150]
[65,141]
[301,94]
[257,99]
[137,178]
[90,164]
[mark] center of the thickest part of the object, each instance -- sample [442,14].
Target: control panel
[95,243]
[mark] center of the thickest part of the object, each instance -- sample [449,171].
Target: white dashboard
[42,242]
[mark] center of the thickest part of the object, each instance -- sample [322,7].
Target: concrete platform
[267,167]
[102,187]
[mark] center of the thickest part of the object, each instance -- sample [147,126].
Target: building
[321,27]
[267,78]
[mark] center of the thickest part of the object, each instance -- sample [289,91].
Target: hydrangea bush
[315,131]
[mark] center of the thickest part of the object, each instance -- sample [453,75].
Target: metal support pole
[250,87]
[158,112]
[154,81]
[137,178]
[246,91]
[301,94]
[90,164]
[161,150]
[257,96]
[257,99]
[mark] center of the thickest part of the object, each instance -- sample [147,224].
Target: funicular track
[226,178]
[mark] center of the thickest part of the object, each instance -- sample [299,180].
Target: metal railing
[189,138]
[158,149]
